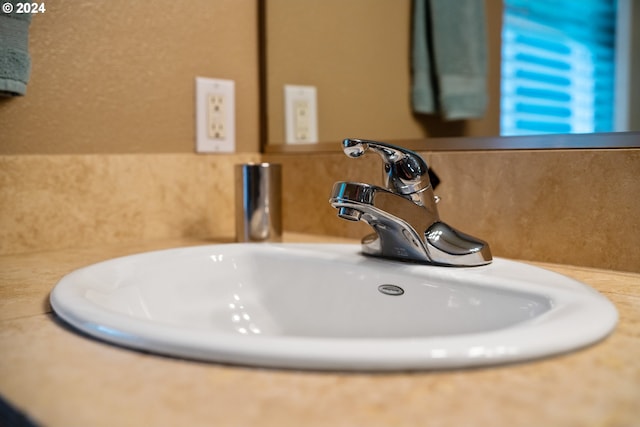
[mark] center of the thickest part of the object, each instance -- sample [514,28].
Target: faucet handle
[405,172]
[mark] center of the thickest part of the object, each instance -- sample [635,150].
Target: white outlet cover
[299,131]
[206,142]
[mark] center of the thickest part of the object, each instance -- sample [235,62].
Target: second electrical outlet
[301,114]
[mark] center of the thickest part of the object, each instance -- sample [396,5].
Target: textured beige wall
[128,88]
[356,53]
[118,76]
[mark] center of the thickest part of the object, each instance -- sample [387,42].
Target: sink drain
[392,290]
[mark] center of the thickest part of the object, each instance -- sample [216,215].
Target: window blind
[558,60]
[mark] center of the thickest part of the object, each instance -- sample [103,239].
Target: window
[558,66]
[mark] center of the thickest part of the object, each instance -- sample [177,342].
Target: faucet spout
[404,216]
[389,215]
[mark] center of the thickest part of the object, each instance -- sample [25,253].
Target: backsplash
[576,207]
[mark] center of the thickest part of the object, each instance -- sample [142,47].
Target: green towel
[423,96]
[449,56]
[15,63]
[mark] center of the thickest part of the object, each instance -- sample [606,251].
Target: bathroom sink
[326,306]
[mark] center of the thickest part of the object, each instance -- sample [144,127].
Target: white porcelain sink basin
[322,306]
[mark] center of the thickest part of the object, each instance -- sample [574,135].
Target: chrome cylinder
[258,202]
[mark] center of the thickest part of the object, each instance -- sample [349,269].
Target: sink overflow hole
[392,290]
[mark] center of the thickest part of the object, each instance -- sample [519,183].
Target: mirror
[356,54]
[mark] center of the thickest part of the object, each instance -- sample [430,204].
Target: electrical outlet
[215,115]
[301,114]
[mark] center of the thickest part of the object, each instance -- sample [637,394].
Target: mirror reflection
[357,56]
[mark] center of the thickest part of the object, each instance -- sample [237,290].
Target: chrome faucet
[403,215]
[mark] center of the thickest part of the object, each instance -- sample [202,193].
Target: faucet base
[448,246]
[445,246]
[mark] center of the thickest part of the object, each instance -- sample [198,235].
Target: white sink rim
[561,329]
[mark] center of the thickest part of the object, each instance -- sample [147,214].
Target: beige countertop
[58,377]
